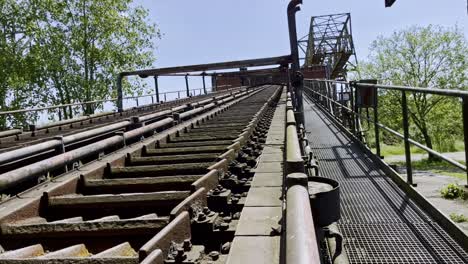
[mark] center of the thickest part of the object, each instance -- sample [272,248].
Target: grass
[394,150]
[399,149]
[458,218]
[438,167]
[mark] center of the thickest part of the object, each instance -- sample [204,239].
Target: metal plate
[267,179]
[264,196]
[254,250]
[259,221]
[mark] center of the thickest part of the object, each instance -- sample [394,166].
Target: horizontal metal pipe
[10,132]
[209,106]
[153,116]
[51,144]
[203,102]
[290,119]
[190,113]
[14,177]
[301,241]
[438,91]
[294,161]
[151,127]
[178,108]
[11,178]
[91,102]
[63,122]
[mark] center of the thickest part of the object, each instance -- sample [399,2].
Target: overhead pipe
[297,78]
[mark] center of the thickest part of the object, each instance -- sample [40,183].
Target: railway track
[79,133]
[174,197]
[17,138]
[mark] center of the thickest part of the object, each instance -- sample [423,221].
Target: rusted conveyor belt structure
[173,197]
[16,138]
[136,126]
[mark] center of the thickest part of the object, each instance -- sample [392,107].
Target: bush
[453,191]
[458,218]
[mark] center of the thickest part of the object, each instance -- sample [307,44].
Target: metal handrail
[405,136]
[426,90]
[85,103]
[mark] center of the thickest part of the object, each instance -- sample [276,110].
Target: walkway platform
[380,223]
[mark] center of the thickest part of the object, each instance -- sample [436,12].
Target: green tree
[59,52]
[430,56]
[17,64]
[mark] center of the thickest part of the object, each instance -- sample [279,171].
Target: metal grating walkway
[379,222]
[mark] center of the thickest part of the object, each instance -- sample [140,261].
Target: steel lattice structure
[329,43]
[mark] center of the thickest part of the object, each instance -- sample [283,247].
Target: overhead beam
[282,60]
[389,3]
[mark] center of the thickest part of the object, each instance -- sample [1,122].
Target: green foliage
[58,52]
[458,218]
[452,191]
[430,56]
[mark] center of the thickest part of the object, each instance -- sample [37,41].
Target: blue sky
[204,31]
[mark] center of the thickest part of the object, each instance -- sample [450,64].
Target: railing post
[204,85]
[119,93]
[409,169]
[215,81]
[354,117]
[156,88]
[376,126]
[465,130]
[187,85]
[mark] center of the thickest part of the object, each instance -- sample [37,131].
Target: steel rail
[20,153]
[17,176]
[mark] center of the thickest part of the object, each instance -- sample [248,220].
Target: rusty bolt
[206,210]
[234,200]
[201,217]
[187,245]
[236,215]
[227,219]
[225,248]
[214,255]
[223,226]
[180,254]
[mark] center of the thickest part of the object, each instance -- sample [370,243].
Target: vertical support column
[215,81]
[119,93]
[204,85]
[465,130]
[351,105]
[409,169]
[187,85]
[156,88]
[376,126]
[297,77]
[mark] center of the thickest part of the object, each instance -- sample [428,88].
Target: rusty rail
[155,202]
[17,176]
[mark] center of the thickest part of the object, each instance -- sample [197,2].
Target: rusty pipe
[51,144]
[301,241]
[14,177]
